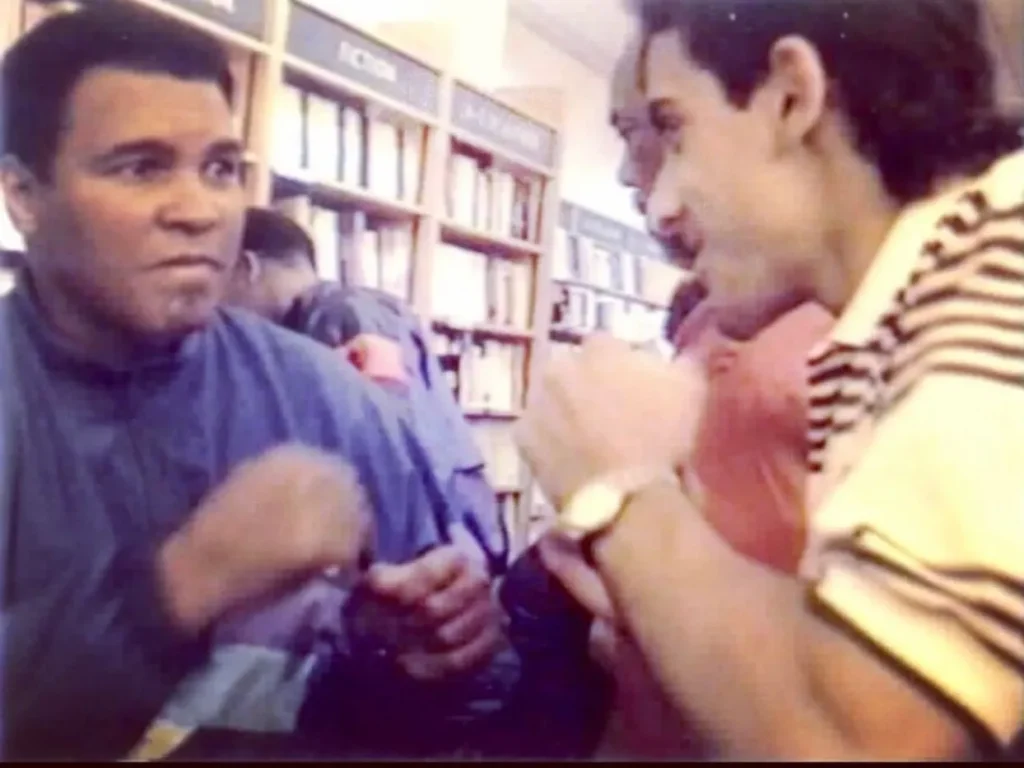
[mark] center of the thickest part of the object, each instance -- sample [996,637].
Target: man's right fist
[276,519]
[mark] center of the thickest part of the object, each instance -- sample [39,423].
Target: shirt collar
[894,264]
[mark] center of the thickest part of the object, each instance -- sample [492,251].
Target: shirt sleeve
[919,547]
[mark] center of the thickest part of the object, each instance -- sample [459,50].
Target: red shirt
[750,450]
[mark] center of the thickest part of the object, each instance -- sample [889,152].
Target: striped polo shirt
[917,453]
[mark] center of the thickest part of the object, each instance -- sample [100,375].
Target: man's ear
[22,192]
[799,89]
[250,267]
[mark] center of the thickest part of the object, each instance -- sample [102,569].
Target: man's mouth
[192,261]
[684,246]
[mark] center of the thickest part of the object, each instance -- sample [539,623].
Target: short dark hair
[686,298]
[271,235]
[42,69]
[913,77]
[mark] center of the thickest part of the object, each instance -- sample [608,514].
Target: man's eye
[224,170]
[142,169]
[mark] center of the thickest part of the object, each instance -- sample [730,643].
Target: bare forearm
[722,635]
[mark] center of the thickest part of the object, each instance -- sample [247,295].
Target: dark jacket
[334,315]
[110,461]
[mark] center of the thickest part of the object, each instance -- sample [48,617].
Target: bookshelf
[608,277]
[409,181]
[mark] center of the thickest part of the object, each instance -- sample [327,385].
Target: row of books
[580,259]
[503,464]
[470,289]
[584,310]
[493,200]
[335,141]
[489,376]
[355,250]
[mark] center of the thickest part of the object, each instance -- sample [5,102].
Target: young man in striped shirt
[848,152]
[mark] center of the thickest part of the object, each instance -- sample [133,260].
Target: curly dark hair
[913,77]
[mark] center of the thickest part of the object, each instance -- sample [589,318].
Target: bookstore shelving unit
[608,277]
[409,181]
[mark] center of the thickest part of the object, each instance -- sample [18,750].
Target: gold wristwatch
[592,509]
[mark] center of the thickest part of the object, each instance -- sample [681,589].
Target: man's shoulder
[962,311]
[334,314]
[293,356]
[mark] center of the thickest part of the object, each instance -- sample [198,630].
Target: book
[352,227]
[353,146]
[326,238]
[463,189]
[413,140]
[323,126]
[367,272]
[288,154]
[382,150]
[396,257]
[616,278]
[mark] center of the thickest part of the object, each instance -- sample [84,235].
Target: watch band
[628,482]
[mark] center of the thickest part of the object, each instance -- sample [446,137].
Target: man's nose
[191,204]
[627,173]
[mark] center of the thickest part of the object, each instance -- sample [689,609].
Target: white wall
[478,28]
[592,147]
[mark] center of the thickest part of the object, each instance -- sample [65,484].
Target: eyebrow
[158,147]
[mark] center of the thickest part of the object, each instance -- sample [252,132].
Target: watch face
[591,509]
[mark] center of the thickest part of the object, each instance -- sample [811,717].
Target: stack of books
[472,289]
[335,141]
[487,198]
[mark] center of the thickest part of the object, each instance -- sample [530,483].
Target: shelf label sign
[246,16]
[565,216]
[644,245]
[606,232]
[486,119]
[330,44]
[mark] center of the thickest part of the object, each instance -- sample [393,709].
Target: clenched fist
[276,519]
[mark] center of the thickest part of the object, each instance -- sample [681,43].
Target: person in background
[276,278]
[195,490]
[559,704]
[901,637]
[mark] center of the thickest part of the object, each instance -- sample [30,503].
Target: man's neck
[862,214]
[86,335]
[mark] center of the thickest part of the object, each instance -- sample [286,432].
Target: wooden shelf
[486,331]
[488,414]
[631,297]
[478,240]
[333,193]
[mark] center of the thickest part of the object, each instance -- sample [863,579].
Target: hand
[276,519]
[564,559]
[446,596]
[609,408]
